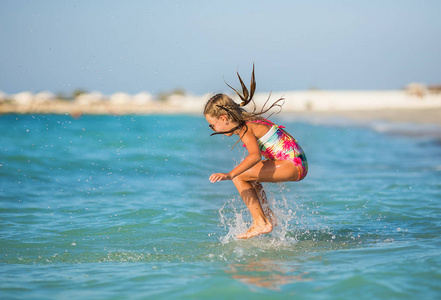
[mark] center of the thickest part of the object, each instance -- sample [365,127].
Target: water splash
[235,217]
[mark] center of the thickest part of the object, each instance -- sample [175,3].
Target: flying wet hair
[221,104]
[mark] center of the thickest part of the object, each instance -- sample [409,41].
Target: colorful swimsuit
[277,144]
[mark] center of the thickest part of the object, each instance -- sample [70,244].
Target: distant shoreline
[417,116]
[72,108]
[393,106]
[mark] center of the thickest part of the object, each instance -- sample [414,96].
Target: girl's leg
[264,202]
[264,171]
[261,223]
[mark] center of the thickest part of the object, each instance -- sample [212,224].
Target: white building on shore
[142,98]
[23,98]
[121,99]
[43,97]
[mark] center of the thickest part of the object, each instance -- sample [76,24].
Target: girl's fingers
[216,177]
[212,177]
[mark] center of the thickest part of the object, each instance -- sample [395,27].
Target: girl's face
[220,124]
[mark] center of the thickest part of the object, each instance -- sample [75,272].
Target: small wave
[411,129]
[407,129]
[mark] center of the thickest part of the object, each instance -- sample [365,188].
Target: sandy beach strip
[417,116]
[392,106]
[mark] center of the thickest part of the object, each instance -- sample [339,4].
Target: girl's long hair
[221,104]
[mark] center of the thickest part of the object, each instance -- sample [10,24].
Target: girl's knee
[242,178]
[237,179]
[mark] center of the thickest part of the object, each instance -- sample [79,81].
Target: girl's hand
[219,176]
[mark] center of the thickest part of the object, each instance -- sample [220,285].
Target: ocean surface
[120,207]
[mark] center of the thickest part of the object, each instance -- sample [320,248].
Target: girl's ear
[223,118]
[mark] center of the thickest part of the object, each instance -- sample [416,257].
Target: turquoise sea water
[120,207]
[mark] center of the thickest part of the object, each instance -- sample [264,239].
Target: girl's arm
[250,141]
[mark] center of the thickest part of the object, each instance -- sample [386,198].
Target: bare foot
[256,230]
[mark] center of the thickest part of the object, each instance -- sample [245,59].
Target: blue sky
[157,46]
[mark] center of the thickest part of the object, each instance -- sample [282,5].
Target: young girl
[285,160]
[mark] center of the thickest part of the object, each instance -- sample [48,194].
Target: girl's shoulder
[259,127]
